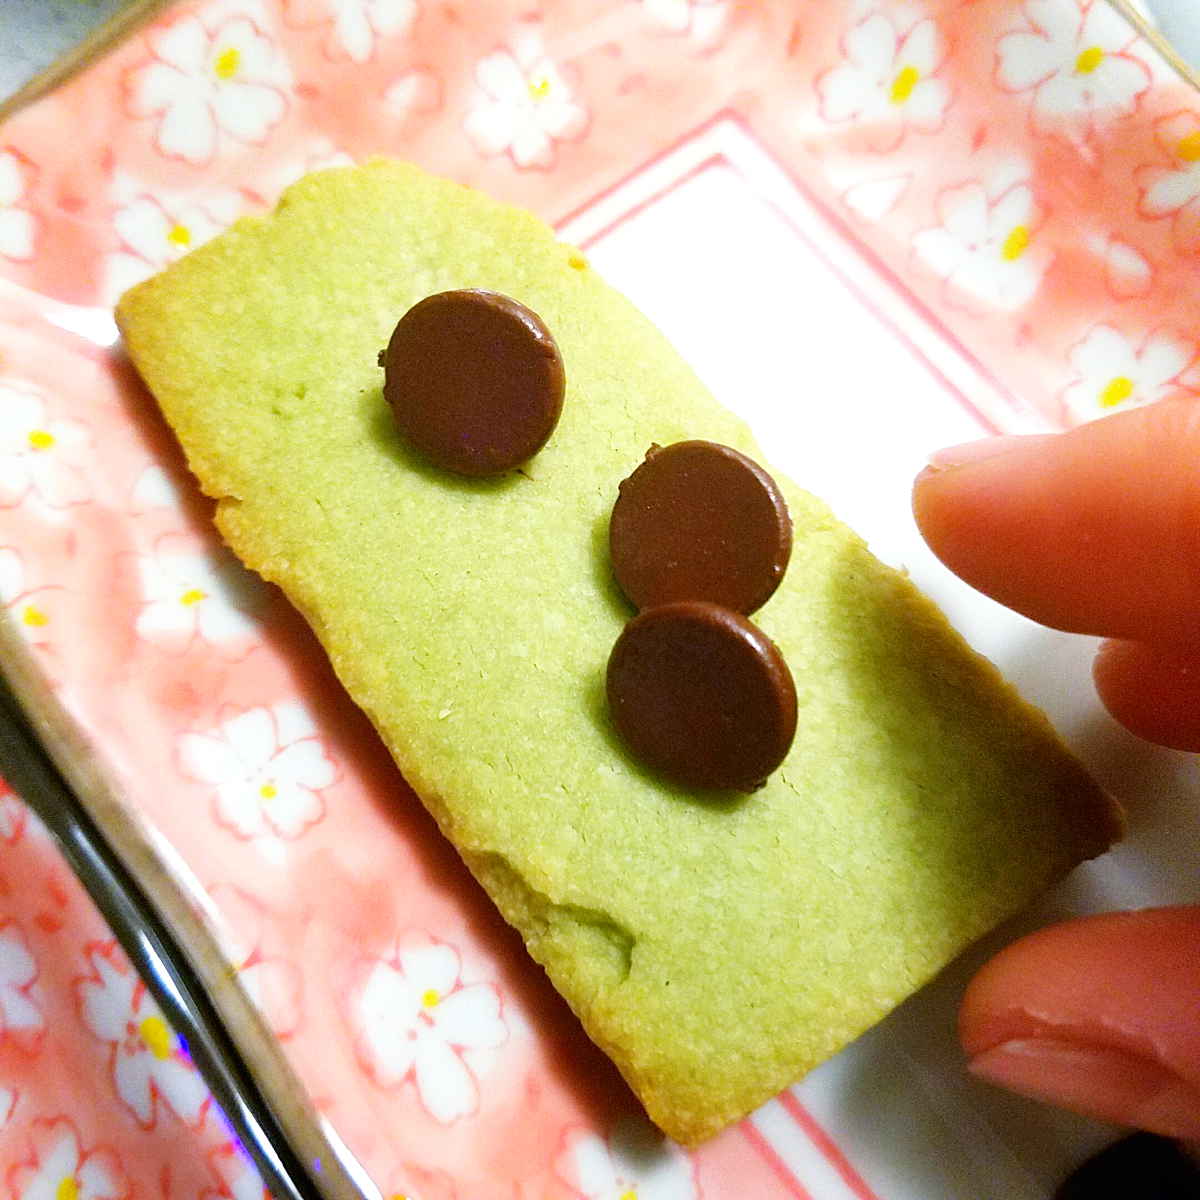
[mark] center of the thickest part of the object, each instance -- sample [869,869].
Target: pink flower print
[154,489]
[1076,62]
[1127,272]
[985,246]
[156,229]
[20,1016]
[239,1178]
[416,1019]
[413,1182]
[1113,372]
[191,596]
[319,155]
[271,982]
[356,26]
[704,20]
[13,813]
[8,1105]
[873,199]
[635,1160]
[32,610]
[204,87]
[523,105]
[147,1059]
[17,223]
[1174,191]
[415,91]
[888,82]
[41,456]
[59,1168]
[268,768]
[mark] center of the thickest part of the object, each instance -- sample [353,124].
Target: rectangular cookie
[716,952]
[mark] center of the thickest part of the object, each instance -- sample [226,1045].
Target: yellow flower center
[576,261]
[268,791]
[903,84]
[192,596]
[539,88]
[1088,60]
[34,617]
[39,439]
[1116,390]
[430,997]
[67,1189]
[1015,244]
[629,1194]
[227,62]
[157,1036]
[180,235]
[1189,147]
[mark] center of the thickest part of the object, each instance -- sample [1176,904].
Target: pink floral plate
[874,226]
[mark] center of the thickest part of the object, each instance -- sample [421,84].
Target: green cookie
[715,949]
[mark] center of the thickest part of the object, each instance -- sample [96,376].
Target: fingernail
[971,452]
[1097,1081]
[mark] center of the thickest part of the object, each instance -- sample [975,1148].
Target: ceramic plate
[874,226]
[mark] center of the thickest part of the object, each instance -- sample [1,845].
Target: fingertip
[1153,691]
[1096,1015]
[1096,530]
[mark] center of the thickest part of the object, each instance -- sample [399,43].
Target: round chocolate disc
[474,380]
[699,521]
[701,695]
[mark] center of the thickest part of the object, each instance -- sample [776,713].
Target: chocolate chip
[474,380]
[699,521]
[701,695]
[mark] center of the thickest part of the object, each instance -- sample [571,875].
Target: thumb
[1094,531]
[1097,1015]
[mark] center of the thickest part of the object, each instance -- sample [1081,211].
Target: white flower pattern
[703,20]
[356,25]
[272,983]
[239,1179]
[635,1160]
[13,813]
[415,91]
[190,596]
[1174,191]
[154,489]
[888,82]
[1126,270]
[41,455]
[523,104]
[231,83]
[31,609]
[20,1015]
[1077,62]
[986,245]
[268,768]
[148,1061]
[156,229]
[17,224]
[417,1019]
[1115,373]
[60,1169]
[319,155]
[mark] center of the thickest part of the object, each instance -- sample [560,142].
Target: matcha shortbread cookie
[716,947]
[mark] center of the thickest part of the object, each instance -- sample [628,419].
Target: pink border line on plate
[826,1145]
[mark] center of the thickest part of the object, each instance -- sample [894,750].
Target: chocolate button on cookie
[474,380]
[699,521]
[700,694]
